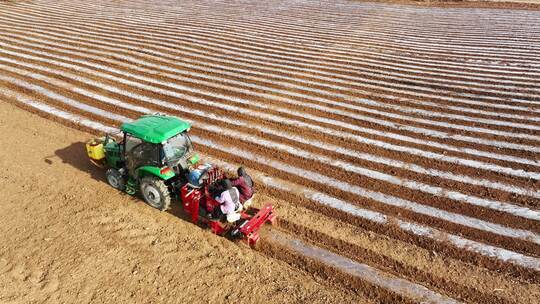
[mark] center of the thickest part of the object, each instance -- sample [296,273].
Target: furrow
[362,271]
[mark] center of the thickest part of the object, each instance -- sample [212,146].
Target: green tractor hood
[155,128]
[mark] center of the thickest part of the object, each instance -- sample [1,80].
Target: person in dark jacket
[244,184]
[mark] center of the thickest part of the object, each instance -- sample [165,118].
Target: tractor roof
[155,128]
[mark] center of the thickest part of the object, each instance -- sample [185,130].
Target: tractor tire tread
[121,182]
[162,187]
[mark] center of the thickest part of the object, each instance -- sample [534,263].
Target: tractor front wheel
[115,179]
[155,193]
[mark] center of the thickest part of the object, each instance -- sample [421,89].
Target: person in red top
[244,184]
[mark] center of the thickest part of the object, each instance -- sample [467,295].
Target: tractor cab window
[147,154]
[132,142]
[177,147]
[140,153]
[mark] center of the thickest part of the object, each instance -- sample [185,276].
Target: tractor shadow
[75,155]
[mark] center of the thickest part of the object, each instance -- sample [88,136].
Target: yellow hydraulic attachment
[95,150]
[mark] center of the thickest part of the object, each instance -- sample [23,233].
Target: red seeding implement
[199,202]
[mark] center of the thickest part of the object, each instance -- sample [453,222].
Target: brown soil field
[399,143]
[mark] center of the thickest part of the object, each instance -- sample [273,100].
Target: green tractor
[153,155]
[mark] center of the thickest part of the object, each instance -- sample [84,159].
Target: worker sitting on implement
[244,184]
[229,200]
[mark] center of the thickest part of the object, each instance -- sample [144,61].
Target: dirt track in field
[414,145]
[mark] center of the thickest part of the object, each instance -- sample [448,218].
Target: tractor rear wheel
[155,193]
[115,179]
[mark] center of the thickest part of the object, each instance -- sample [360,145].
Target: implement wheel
[155,193]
